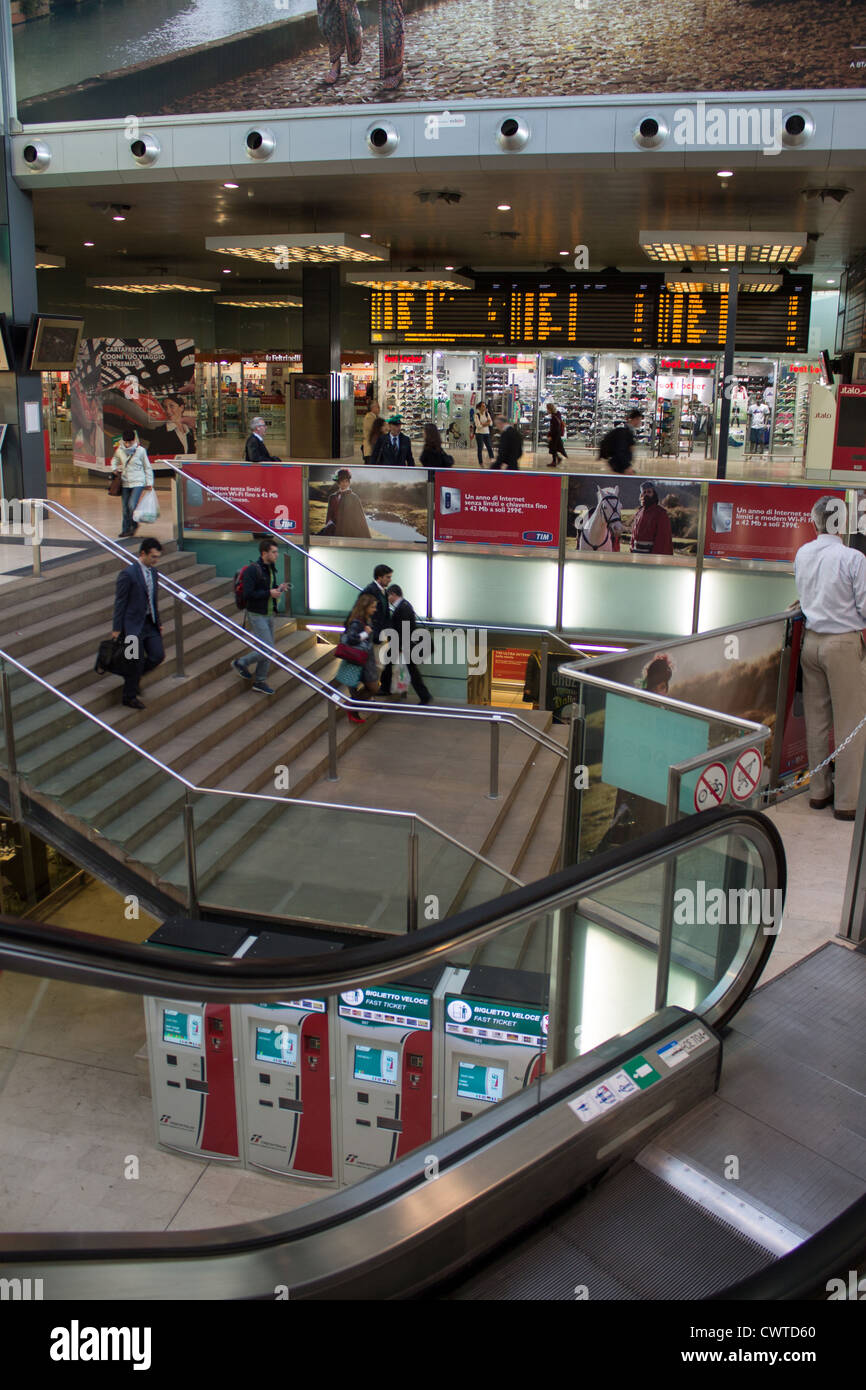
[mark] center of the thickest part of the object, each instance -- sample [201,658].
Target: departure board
[768,322]
[622,311]
[604,313]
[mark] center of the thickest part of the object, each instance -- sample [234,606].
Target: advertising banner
[760,521]
[147,384]
[849,445]
[215,57]
[497,508]
[602,510]
[271,492]
[368,504]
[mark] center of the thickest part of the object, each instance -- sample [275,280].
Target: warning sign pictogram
[712,787]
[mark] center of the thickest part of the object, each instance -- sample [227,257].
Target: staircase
[124,818]
[208,725]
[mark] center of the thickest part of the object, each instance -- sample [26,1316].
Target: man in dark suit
[404,621]
[380,618]
[255,449]
[510,445]
[136,616]
[393,449]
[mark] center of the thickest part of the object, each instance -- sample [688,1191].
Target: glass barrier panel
[302,861]
[450,879]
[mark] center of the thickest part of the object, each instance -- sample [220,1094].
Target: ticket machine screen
[277,1045]
[375,1064]
[480,1083]
[182,1030]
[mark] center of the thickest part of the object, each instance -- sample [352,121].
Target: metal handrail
[308,555]
[285,663]
[245,796]
[580,674]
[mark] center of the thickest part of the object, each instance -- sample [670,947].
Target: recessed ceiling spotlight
[563,253]
[118,217]
[724,173]
[365,236]
[831,282]
[503,207]
[226,270]
[231,185]
[449,267]
[88,243]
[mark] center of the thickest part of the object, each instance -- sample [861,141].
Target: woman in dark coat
[433,455]
[358,633]
[345,512]
[554,438]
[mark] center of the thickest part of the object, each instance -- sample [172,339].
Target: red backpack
[240,601]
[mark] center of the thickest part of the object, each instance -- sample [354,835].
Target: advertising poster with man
[146,384]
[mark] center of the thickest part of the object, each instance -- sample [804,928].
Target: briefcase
[110,659]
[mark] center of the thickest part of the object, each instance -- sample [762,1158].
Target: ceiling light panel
[409,280]
[260,301]
[290,248]
[152,284]
[721,248]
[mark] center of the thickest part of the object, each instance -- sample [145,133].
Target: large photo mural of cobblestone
[108,57]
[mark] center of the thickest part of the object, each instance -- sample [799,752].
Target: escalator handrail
[142,969]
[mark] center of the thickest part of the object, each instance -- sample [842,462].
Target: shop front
[232,389]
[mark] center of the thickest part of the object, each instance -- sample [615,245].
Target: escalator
[681,1140]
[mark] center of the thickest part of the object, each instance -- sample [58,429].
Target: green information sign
[640,1072]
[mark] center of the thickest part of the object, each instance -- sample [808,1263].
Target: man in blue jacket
[136,616]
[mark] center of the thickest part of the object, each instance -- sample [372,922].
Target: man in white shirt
[831,583]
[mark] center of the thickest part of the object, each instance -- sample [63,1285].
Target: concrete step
[515,833]
[540,855]
[79,571]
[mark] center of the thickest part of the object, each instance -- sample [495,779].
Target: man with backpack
[258,593]
[618,444]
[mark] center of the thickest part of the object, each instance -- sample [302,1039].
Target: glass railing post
[178,637]
[666,912]
[569,848]
[189,844]
[413,878]
[178,510]
[852,926]
[494,759]
[333,775]
[11,763]
[542,675]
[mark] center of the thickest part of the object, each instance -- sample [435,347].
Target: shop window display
[455,392]
[684,408]
[408,391]
[510,388]
[625,384]
[793,398]
[572,384]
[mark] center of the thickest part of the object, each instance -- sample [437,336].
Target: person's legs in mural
[340,24]
[391,43]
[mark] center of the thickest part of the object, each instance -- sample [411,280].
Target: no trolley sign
[746,774]
[712,787]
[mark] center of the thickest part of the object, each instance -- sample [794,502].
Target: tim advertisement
[497,508]
[760,521]
[272,493]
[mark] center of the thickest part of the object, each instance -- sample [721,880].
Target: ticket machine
[386,1071]
[287,1091]
[192,1077]
[495,1037]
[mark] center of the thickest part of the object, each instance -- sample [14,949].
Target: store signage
[509,664]
[686,364]
[849,445]
[760,521]
[497,508]
[270,493]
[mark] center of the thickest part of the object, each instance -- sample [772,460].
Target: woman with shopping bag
[132,466]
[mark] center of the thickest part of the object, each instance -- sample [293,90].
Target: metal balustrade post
[413,878]
[666,909]
[542,674]
[11,761]
[333,775]
[178,510]
[494,759]
[189,844]
[178,637]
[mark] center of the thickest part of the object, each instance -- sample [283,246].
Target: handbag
[115,486]
[356,655]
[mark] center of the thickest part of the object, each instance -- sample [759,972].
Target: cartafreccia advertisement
[154,57]
[143,384]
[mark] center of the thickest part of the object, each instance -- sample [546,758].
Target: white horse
[597,529]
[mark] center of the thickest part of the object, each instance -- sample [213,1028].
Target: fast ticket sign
[497,508]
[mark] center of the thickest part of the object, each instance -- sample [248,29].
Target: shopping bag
[400,680]
[148,507]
